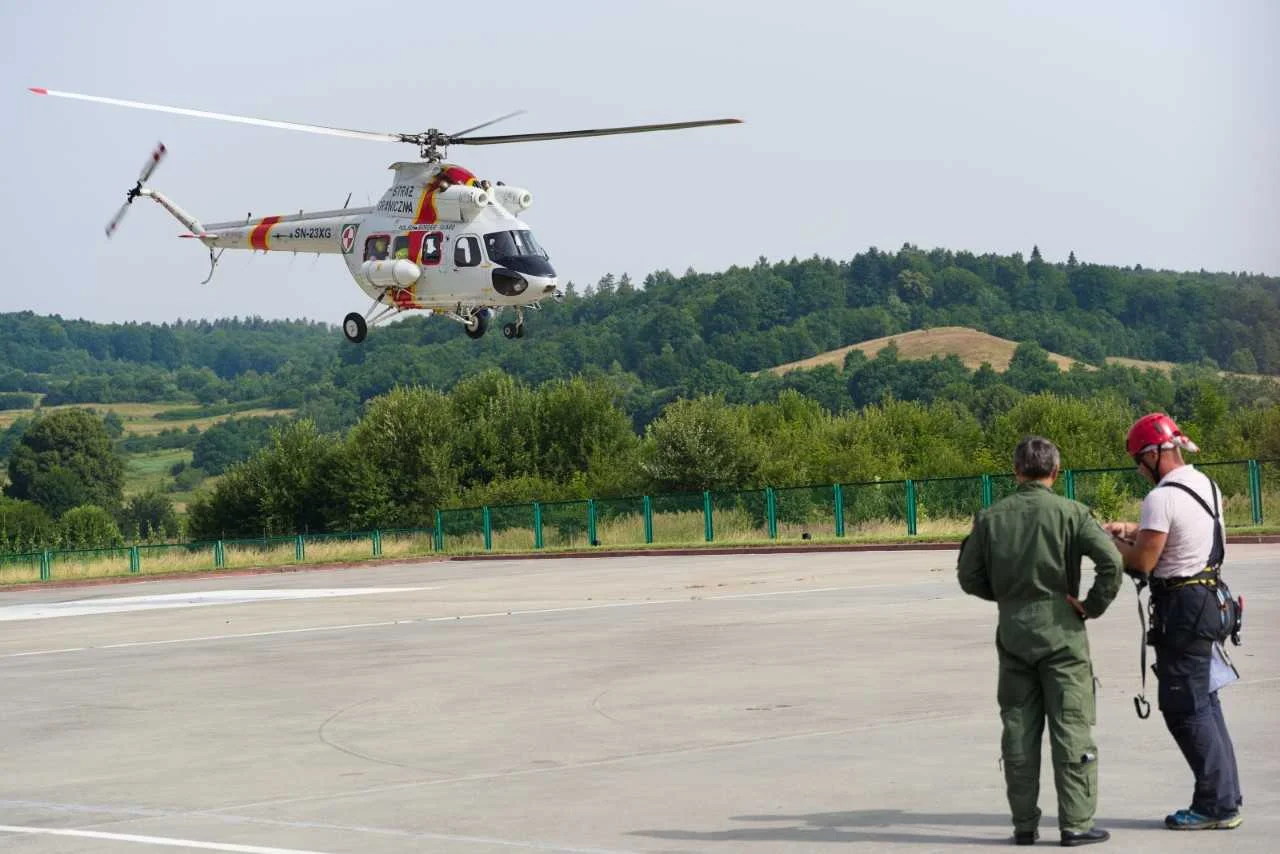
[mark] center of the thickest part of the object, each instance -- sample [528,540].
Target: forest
[625,388]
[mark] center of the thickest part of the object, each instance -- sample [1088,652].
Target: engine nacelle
[390,274]
[514,199]
[459,203]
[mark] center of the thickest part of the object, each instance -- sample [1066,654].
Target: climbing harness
[1230,609]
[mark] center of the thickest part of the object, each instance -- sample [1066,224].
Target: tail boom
[319,231]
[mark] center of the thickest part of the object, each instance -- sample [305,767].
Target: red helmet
[1155,431]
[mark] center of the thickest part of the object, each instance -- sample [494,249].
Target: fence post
[438,534]
[135,560]
[1070,484]
[537,525]
[377,543]
[591,522]
[839,494]
[648,519]
[771,509]
[299,548]
[46,565]
[987,493]
[219,556]
[708,528]
[911,508]
[1255,490]
[488,528]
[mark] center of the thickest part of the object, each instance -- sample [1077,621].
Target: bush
[24,526]
[88,527]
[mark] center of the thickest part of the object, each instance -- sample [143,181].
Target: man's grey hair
[1036,457]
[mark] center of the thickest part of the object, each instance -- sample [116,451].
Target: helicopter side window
[432,248]
[466,252]
[376,248]
[400,248]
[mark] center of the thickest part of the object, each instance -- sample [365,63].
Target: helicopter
[440,239]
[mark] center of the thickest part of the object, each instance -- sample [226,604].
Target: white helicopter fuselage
[439,239]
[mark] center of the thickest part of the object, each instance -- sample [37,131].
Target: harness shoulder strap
[1218,553]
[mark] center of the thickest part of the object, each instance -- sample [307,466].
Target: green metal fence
[931,507]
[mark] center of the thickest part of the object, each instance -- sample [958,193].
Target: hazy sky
[1133,133]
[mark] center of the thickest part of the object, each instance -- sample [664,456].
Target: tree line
[671,337]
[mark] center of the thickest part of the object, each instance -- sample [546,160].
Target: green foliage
[149,516]
[88,527]
[700,444]
[17,400]
[231,441]
[64,460]
[11,435]
[285,488]
[24,526]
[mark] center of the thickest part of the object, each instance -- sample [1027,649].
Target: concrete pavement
[737,703]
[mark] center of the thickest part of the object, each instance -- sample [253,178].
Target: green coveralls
[1024,553]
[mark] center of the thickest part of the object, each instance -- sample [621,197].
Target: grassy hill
[970,345]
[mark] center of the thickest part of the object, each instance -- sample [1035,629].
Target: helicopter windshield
[503,245]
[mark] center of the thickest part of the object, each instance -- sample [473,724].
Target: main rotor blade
[204,114]
[486,124]
[572,134]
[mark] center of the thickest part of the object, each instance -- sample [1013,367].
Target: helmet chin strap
[1154,469]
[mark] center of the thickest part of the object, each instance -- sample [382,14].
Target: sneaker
[1026,837]
[1192,820]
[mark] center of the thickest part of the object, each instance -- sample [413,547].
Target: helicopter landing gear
[354,327]
[478,323]
[515,330]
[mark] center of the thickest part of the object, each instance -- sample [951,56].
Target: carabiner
[1142,707]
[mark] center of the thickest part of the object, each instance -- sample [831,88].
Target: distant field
[150,470]
[971,346]
[139,418]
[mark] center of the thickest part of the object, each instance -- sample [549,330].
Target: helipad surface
[824,702]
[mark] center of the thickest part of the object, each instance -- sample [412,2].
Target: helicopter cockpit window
[512,244]
[466,252]
[432,247]
[376,248]
[400,249]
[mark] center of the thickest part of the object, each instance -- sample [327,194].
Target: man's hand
[1075,603]
[1121,530]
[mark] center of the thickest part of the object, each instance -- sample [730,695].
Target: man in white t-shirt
[1178,545]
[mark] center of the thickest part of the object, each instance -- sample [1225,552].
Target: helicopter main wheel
[479,324]
[513,330]
[354,327]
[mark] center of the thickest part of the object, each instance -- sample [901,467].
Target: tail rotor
[147,168]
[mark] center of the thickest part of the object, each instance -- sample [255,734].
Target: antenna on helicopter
[147,168]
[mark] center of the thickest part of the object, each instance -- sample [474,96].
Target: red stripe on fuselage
[258,237]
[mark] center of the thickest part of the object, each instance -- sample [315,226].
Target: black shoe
[1026,837]
[1089,837]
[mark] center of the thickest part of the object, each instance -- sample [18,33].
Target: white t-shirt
[1171,511]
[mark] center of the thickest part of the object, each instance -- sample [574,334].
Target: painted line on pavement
[154,840]
[481,616]
[196,599]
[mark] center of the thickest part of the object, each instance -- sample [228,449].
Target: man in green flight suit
[1024,553]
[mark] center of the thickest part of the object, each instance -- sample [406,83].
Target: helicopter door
[432,248]
[426,248]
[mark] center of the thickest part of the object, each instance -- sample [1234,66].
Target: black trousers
[1191,711]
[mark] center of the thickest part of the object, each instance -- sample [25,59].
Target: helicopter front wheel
[513,330]
[354,327]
